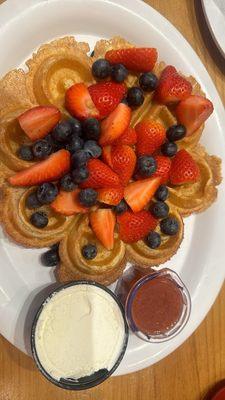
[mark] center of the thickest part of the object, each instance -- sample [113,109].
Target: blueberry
[88,197]
[74,143]
[39,219]
[42,149]
[101,69]
[76,126]
[89,251]
[80,158]
[55,145]
[55,246]
[67,184]
[46,193]
[62,131]
[148,81]
[50,258]
[135,96]
[119,73]
[91,128]
[169,226]
[146,165]
[121,207]
[32,201]
[25,153]
[160,209]
[162,193]
[175,132]
[169,149]
[80,174]
[124,101]
[153,240]
[92,148]
[50,140]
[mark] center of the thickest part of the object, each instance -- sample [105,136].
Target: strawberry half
[103,223]
[111,196]
[135,226]
[134,58]
[107,155]
[193,112]
[150,136]
[163,168]
[79,102]
[53,168]
[129,137]
[106,96]
[39,121]
[138,194]
[115,124]
[172,86]
[100,176]
[67,203]
[124,161]
[184,169]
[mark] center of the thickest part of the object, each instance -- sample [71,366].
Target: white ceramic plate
[214,11]
[24,25]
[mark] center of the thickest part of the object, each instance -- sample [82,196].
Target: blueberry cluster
[173,134]
[102,69]
[159,209]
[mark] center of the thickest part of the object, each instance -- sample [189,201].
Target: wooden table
[190,371]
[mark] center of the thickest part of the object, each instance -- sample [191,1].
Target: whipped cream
[79,331]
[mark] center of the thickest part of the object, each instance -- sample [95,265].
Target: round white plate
[26,24]
[214,11]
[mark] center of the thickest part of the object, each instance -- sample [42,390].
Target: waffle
[50,72]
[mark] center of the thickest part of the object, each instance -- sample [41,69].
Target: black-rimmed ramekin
[99,376]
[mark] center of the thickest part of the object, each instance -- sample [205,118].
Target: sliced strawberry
[79,102]
[138,194]
[172,87]
[111,196]
[135,226]
[103,223]
[129,137]
[163,168]
[124,161]
[135,59]
[193,112]
[107,156]
[39,121]
[67,203]
[184,169]
[115,124]
[106,96]
[54,167]
[150,136]
[100,176]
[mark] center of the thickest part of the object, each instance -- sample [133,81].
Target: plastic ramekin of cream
[79,335]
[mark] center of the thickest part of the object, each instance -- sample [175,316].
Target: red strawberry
[39,121]
[138,194]
[79,102]
[135,226]
[107,156]
[184,169]
[103,223]
[115,124]
[67,203]
[124,161]
[100,176]
[135,59]
[106,96]
[54,167]
[172,87]
[163,168]
[129,136]
[111,196]
[193,112]
[150,136]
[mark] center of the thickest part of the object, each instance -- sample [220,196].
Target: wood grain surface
[194,368]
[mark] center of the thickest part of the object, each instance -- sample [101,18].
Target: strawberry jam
[157,304]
